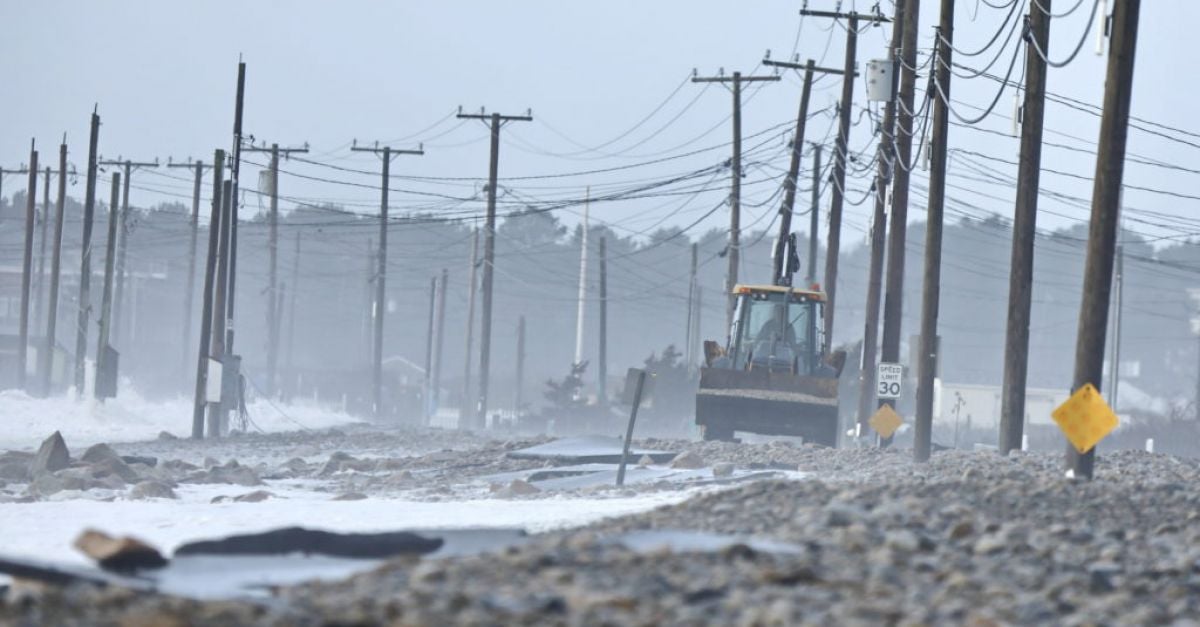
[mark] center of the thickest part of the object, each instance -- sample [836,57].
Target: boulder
[113,466]
[350,496]
[118,554]
[167,436]
[52,456]
[256,496]
[687,460]
[146,460]
[520,487]
[723,469]
[645,462]
[14,466]
[99,452]
[151,490]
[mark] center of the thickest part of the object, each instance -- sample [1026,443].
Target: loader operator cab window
[774,334]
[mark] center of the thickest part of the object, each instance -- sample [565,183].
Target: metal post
[637,400]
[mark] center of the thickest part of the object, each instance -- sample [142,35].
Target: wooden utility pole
[216,228]
[833,247]
[27,267]
[39,298]
[908,12]
[496,121]
[1020,282]
[814,224]
[219,348]
[273,264]
[46,355]
[291,341]
[689,358]
[782,273]
[103,350]
[235,170]
[427,383]
[928,356]
[517,400]
[464,411]
[1106,200]
[193,231]
[436,385]
[122,240]
[733,253]
[887,160]
[85,271]
[386,153]
[602,362]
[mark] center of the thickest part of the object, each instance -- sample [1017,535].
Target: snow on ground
[46,530]
[131,417]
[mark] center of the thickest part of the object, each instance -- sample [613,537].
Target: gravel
[966,538]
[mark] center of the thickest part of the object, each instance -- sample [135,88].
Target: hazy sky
[164,73]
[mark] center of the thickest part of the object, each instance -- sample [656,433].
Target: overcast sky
[163,75]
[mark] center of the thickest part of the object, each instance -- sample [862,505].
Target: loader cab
[776,329]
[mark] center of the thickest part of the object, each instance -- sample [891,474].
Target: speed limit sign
[887,380]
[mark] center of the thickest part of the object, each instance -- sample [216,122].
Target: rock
[350,496]
[151,490]
[178,465]
[902,540]
[167,436]
[256,496]
[14,466]
[989,544]
[722,469]
[98,453]
[645,462]
[220,499]
[687,460]
[229,473]
[842,514]
[118,554]
[140,459]
[520,487]
[52,456]
[210,462]
[113,466]
[961,529]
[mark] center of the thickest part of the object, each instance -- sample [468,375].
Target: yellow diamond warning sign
[885,421]
[1085,418]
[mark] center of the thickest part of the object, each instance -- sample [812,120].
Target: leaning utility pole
[1020,282]
[272,263]
[887,160]
[103,349]
[735,174]
[235,170]
[833,247]
[927,355]
[219,348]
[814,224]
[464,411]
[688,358]
[39,298]
[27,267]
[85,272]
[496,121]
[908,13]
[46,355]
[194,228]
[386,153]
[216,229]
[123,239]
[782,272]
[1106,199]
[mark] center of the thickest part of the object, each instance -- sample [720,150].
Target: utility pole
[438,341]
[85,271]
[272,263]
[219,348]
[46,363]
[583,255]
[735,173]
[216,229]
[930,293]
[427,410]
[1114,374]
[1020,283]
[814,225]
[104,368]
[464,411]
[1106,200]
[887,159]
[194,228]
[908,12]
[689,358]
[39,298]
[496,121]
[520,368]
[386,153]
[234,180]
[369,297]
[833,247]
[122,239]
[27,266]
[782,273]
[602,370]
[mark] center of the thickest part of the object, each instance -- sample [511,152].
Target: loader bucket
[760,401]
